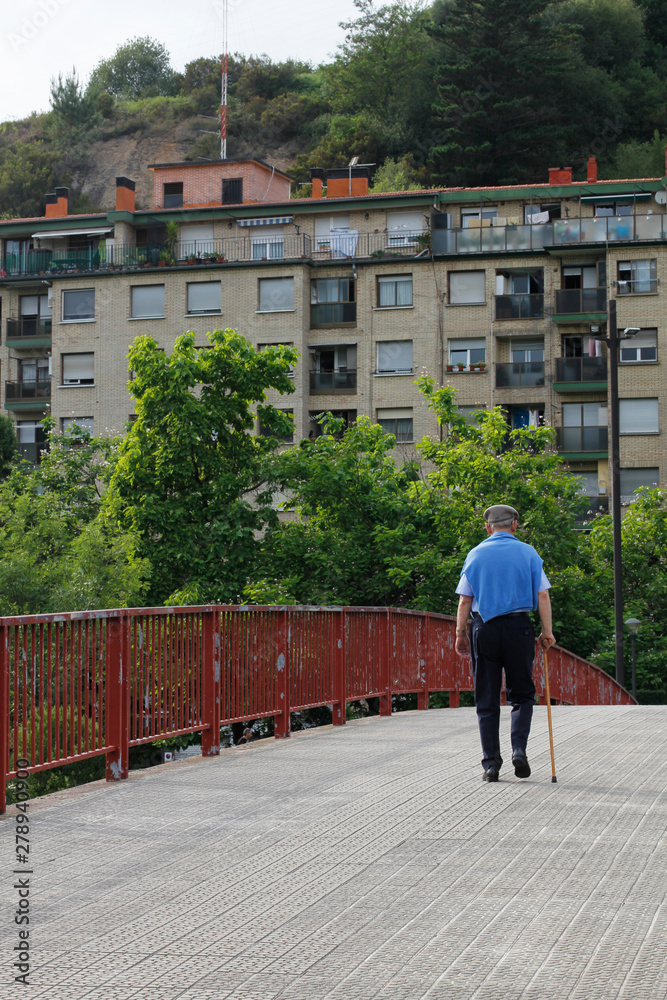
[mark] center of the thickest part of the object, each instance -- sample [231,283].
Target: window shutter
[204,296]
[78,368]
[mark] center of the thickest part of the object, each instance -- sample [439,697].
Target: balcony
[29,331]
[27,395]
[527,306]
[333,314]
[328,383]
[492,239]
[580,374]
[519,374]
[590,441]
[581,305]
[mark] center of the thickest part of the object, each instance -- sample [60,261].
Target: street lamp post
[612,341]
[633,624]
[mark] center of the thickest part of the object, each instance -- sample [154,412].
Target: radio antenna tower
[223,105]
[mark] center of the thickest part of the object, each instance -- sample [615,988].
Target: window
[204,297]
[633,479]
[315,420]
[467,352]
[172,196]
[286,438]
[642,347]
[263,347]
[395,291]
[333,302]
[588,483]
[527,350]
[584,415]
[70,424]
[334,369]
[395,357]
[196,239]
[471,413]
[519,294]
[325,226]
[637,277]
[35,370]
[541,213]
[474,217]
[467,288]
[78,369]
[638,416]
[612,208]
[147,302]
[37,306]
[232,191]
[79,304]
[403,227]
[270,245]
[397,422]
[276,294]
[31,438]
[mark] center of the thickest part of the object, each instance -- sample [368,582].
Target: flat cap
[500,512]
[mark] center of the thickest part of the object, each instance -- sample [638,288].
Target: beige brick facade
[508,307]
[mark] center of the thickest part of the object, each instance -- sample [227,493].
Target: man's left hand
[463,645]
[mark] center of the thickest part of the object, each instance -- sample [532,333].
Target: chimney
[317,176]
[346,181]
[592,171]
[57,203]
[124,194]
[560,175]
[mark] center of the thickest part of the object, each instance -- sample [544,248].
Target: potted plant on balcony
[172,235]
[461,366]
[166,259]
[481,366]
[450,368]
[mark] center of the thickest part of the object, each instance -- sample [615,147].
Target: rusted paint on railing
[95,683]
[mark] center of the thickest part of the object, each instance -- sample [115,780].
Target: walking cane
[551,734]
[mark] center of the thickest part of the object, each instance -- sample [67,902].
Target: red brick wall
[202,182]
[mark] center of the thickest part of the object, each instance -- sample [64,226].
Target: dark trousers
[505,643]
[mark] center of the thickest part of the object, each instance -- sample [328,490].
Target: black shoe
[521,765]
[490,774]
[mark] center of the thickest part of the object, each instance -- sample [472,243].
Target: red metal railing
[96,683]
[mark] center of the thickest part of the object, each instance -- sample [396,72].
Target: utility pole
[223,104]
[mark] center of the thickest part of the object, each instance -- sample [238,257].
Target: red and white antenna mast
[223,105]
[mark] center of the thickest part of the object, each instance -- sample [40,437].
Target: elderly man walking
[502,581]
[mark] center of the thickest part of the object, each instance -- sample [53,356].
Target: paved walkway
[364,862]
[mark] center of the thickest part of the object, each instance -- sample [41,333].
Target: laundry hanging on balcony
[343,242]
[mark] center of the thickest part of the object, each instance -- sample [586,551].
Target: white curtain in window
[395,291]
[148,300]
[638,416]
[204,296]
[78,368]
[395,356]
[467,286]
[29,305]
[276,294]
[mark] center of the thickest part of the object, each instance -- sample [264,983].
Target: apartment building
[501,292]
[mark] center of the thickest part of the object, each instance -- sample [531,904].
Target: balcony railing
[581,439]
[581,300]
[527,306]
[581,369]
[638,286]
[333,382]
[517,374]
[28,326]
[333,314]
[492,239]
[28,390]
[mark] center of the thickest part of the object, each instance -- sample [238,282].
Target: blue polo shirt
[502,575]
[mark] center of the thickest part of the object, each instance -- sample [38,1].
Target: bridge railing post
[210,681]
[387,649]
[281,728]
[339,706]
[117,703]
[5,717]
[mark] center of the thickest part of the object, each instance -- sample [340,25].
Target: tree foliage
[27,172]
[190,464]
[139,68]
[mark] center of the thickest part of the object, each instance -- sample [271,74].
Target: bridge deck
[364,862]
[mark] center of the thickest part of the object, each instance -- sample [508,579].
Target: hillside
[452,93]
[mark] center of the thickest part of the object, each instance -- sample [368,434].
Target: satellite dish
[661,197]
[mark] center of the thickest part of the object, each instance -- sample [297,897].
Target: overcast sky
[41,38]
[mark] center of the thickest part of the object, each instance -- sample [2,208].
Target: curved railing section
[96,683]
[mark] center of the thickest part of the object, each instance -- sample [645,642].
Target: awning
[72,232]
[622,199]
[279,220]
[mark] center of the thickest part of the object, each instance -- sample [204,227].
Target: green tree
[190,474]
[55,553]
[27,172]
[72,108]
[395,175]
[139,68]
[498,75]
[8,445]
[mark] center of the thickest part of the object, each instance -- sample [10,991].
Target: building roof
[218,163]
